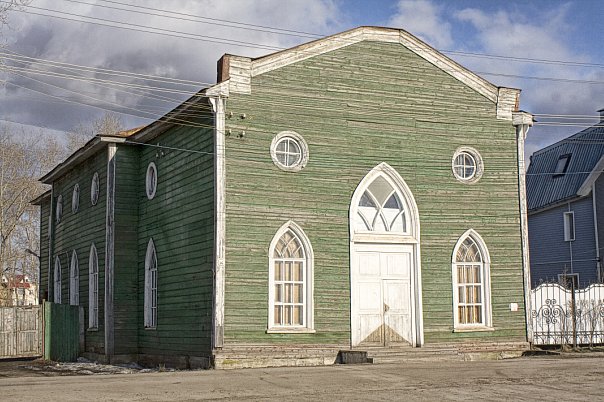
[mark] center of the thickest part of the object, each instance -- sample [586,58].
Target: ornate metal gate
[20,331]
[567,316]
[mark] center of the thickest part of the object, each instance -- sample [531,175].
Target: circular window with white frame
[151,180]
[94,189]
[289,151]
[467,165]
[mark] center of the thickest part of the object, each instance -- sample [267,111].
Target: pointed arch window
[151,286]
[290,281]
[57,282]
[471,283]
[93,288]
[381,209]
[74,280]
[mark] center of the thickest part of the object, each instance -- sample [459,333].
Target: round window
[467,165]
[151,180]
[94,189]
[289,151]
[75,199]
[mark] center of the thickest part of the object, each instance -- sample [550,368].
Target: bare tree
[23,159]
[109,123]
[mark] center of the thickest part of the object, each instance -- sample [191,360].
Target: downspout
[523,121]
[598,261]
[218,107]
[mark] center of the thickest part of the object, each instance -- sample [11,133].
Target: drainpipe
[523,121]
[598,261]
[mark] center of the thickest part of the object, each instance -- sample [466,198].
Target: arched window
[290,281]
[75,198]
[151,286]
[471,282]
[151,180]
[74,280]
[95,189]
[380,209]
[59,209]
[93,288]
[57,282]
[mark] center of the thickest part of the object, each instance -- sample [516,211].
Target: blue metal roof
[543,187]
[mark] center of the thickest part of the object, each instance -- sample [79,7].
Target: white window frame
[59,209]
[569,226]
[93,289]
[57,281]
[150,308]
[75,198]
[151,180]
[95,189]
[308,279]
[562,165]
[74,280]
[564,278]
[478,165]
[292,136]
[485,275]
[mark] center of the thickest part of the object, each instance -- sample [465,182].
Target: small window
[467,165]
[59,209]
[289,151]
[151,286]
[75,198]
[562,165]
[74,280]
[94,189]
[57,281]
[93,288]
[569,226]
[151,180]
[569,281]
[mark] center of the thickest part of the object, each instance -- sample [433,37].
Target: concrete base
[153,361]
[252,356]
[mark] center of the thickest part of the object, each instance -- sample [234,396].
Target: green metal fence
[61,332]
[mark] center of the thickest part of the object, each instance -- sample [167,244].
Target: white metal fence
[567,316]
[20,331]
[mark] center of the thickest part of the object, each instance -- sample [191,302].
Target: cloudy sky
[69,61]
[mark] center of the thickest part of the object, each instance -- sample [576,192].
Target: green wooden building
[361,190]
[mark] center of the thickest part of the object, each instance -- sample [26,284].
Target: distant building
[18,291]
[565,190]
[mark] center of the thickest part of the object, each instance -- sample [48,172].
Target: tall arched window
[471,282]
[93,288]
[151,286]
[290,281]
[74,280]
[57,282]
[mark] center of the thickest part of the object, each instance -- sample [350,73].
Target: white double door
[381,300]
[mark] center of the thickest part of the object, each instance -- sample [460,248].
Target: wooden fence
[567,316]
[20,331]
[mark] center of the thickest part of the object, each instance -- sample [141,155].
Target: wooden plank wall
[77,232]
[181,222]
[357,107]
[43,284]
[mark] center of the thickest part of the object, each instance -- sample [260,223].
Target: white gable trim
[587,185]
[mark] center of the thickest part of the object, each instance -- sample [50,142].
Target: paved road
[543,379]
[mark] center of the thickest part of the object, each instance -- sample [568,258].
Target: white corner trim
[587,185]
[218,105]
[110,250]
[220,89]
[507,102]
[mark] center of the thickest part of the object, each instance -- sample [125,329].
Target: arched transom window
[471,282]
[380,209]
[290,281]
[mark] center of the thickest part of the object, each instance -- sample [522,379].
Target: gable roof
[236,71]
[586,150]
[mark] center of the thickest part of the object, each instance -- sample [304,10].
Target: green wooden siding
[128,187]
[61,332]
[43,280]
[78,232]
[357,107]
[180,219]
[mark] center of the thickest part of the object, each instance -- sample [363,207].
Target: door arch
[385,275]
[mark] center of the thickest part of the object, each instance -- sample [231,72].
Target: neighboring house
[359,190]
[18,291]
[566,209]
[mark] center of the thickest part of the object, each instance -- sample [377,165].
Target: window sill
[92,330]
[150,328]
[290,331]
[474,329]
